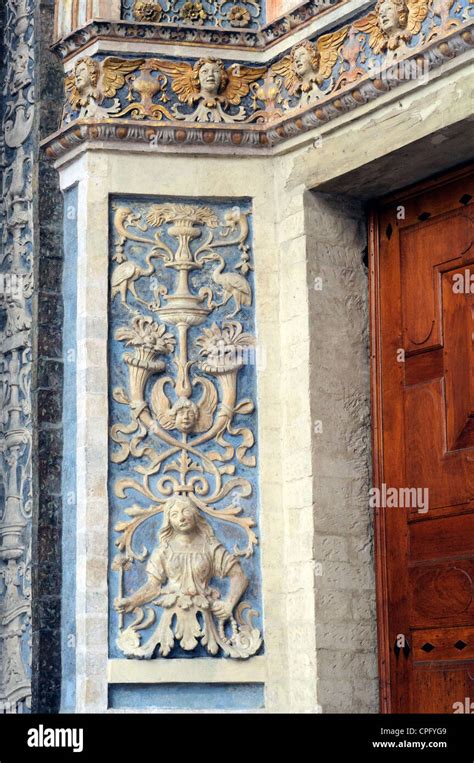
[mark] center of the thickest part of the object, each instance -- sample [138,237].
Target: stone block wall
[340,412]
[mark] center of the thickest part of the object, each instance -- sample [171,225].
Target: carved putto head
[210,76]
[304,60]
[86,76]
[392,16]
[184,415]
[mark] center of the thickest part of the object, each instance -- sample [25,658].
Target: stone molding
[274,118]
[185,30]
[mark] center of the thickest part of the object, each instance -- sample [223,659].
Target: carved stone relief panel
[16,288]
[183,488]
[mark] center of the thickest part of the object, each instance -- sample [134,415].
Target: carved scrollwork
[185,437]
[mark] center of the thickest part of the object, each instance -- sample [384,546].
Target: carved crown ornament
[183,434]
[211,100]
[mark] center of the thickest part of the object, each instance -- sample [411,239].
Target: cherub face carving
[210,78]
[186,415]
[302,61]
[85,76]
[392,16]
[305,62]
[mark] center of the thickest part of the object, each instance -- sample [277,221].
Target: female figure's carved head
[182,517]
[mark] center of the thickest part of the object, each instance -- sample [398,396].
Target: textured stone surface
[338,314]
[46,577]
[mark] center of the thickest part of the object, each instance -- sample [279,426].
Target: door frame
[379,520]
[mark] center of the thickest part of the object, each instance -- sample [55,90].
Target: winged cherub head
[184,415]
[86,76]
[210,76]
[392,16]
[305,62]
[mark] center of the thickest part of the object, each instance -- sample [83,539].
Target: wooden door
[422,332]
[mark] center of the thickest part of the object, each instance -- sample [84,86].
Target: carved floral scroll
[183,429]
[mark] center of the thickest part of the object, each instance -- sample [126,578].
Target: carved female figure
[180,570]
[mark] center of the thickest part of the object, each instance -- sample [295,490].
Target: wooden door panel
[442,593]
[433,688]
[423,416]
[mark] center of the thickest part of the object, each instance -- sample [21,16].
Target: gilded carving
[182,428]
[216,13]
[146,11]
[309,65]
[92,82]
[212,86]
[393,24]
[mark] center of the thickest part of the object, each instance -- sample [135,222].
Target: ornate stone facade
[318,80]
[18,161]
[214,168]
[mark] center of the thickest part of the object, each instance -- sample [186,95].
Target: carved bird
[233,285]
[125,275]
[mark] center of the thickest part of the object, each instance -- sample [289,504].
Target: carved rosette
[182,435]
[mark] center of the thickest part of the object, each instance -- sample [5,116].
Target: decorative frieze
[162,102]
[219,13]
[238,25]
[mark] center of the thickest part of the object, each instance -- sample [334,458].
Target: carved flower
[146,11]
[160,213]
[193,12]
[238,16]
[224,349]
[146,333]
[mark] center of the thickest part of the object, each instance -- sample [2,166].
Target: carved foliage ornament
[182,436]
[217,13]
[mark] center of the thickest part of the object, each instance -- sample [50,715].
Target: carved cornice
[272,123]
[184,34]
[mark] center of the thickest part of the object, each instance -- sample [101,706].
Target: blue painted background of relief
[227,533]
[206,13]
